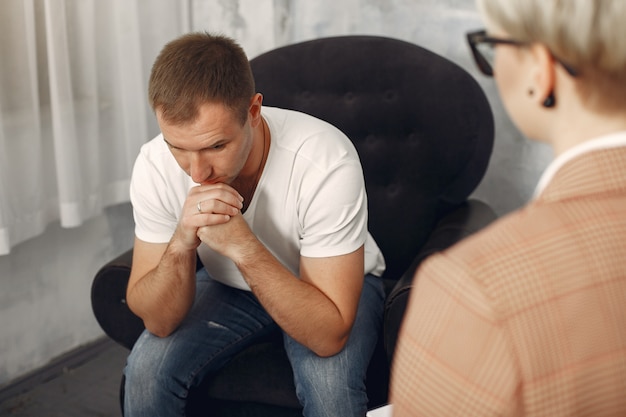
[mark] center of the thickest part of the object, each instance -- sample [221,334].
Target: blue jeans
[222,322]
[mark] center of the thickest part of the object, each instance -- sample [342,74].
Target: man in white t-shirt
[274,203]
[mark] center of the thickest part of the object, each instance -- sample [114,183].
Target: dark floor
[85,384]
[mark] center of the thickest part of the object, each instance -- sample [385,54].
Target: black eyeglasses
[482,47]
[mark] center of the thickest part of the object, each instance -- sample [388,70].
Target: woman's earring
[550,101]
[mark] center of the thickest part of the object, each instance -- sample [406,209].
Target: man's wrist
[181,251]
[249,254]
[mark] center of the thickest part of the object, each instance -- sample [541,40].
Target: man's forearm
[301,310]
[163,296]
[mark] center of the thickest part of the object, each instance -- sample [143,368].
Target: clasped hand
[211,214]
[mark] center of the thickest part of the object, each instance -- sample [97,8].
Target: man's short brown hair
[200,68]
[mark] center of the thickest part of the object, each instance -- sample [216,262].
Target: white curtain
[73,109]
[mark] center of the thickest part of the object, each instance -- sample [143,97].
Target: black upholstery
[424,132]
[412,116]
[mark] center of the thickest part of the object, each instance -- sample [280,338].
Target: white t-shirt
[310,200]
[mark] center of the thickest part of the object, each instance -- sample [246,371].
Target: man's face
[213,148]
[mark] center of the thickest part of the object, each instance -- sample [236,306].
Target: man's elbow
[159,329]
[155,325]
[330,347]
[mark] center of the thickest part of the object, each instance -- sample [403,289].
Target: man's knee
[150,370]
[326,385]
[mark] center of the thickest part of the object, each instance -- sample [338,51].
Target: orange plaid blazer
[527,317]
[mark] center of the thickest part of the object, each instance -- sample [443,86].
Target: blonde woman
[528,317]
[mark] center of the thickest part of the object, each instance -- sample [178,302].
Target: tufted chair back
[421,125]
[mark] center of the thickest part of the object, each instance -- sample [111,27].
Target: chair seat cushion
[267,359]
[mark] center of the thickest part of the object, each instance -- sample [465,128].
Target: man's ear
[543,76]
[256,102]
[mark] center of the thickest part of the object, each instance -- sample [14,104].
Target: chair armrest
[108,301]
[455,226]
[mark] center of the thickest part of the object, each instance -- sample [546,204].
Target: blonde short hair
[589,35]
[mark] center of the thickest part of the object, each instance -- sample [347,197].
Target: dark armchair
[424,132]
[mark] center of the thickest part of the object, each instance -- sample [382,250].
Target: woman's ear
[544,76]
